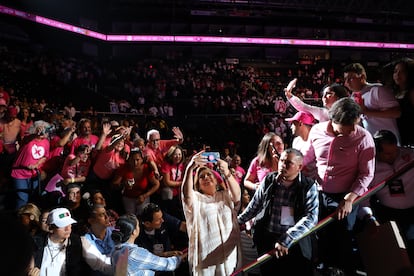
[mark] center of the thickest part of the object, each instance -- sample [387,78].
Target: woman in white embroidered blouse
[211,215]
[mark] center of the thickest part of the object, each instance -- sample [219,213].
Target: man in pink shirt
[156,149]
[85,136]
[345,161]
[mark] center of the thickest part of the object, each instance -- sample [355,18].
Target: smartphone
[212,156]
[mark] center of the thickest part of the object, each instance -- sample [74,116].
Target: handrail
[322,223]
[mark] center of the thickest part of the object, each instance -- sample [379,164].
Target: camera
[212,156]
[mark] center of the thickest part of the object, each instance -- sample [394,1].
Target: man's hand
[280,250]
[344,209]
[178,134]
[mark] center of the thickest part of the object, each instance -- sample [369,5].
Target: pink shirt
[157,155]
[239,173]
[78,170]
[344,163]
[107,162]
[176,173]
[55,149]
[91,141]
[28,155]
[24,128]
[141,185]
[258,172]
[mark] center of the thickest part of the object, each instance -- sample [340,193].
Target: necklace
[53,257]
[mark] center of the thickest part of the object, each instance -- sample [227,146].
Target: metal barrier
[330,218]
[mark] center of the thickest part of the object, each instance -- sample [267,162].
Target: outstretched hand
[197,160]
[106,129]
[177,133]
[289,88]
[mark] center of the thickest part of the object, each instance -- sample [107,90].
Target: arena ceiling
[354,20]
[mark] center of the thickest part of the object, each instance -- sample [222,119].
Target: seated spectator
[95,197]
[158,237]
[74,202]
[17,247]
[29,216]
[140,260]
[97,243]
[59,252]
[43,221]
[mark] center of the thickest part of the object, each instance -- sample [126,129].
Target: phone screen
[212,156]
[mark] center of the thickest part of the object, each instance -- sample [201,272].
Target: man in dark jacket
[285,207]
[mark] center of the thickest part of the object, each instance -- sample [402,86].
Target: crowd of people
[103,195]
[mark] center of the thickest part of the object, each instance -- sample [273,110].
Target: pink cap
[303,117]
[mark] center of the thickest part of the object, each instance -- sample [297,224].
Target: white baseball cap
[60,217]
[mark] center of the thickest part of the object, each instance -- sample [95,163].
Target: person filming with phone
[211,215]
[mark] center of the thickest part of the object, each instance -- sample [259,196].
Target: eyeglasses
[155,140]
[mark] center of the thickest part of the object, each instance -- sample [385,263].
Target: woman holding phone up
[211,215]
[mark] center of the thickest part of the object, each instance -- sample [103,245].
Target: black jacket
[75,264]
[302,185]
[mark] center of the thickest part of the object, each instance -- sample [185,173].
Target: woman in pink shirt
[28,164]
[26,122]
[137,182]
[172,170]
[266,160]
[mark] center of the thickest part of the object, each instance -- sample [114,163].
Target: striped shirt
[141,262]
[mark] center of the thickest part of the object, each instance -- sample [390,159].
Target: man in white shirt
[380,108]
[59,252]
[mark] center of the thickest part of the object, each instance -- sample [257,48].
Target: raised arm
[188,182]
[187,187]
[232,183]
[289,88]
[178,134]
[106,130]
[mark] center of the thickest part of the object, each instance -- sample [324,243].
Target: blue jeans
[24,189]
